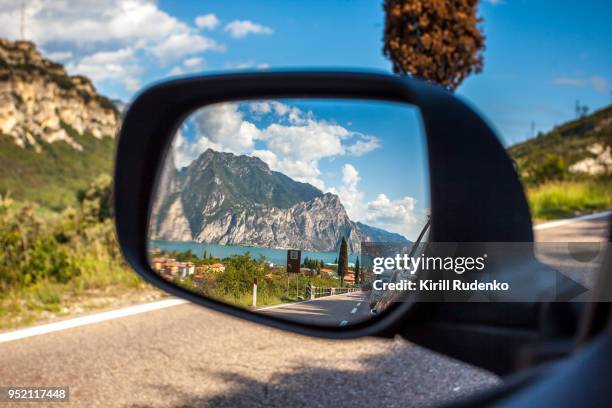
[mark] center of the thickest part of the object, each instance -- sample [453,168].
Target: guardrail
[314,292]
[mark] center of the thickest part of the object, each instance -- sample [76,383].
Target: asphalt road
[574,249]
[338,310]
[188,356]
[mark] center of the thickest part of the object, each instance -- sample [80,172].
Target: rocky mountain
[56,131]
[237,200]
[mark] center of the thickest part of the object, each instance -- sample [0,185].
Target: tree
[581,110]
[97,200]
[343,260]
[357,272]
[435,40]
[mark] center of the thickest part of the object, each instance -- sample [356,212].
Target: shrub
[552,168]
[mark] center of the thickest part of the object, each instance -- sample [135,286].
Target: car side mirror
[242,193]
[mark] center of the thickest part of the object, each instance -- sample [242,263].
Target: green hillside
[53,177]
[548,165]
[566,144]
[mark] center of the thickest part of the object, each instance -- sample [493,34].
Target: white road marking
[353,311]
[343,323]
[559,223]
[85,320]
[358,304]
[110,315]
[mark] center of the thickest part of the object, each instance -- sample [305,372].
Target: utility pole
[254,292]
[577,109]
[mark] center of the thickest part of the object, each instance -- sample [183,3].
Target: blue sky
[541,56]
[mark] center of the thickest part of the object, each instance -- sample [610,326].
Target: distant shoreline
[273,255]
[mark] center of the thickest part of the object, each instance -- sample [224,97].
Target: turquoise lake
[276,256]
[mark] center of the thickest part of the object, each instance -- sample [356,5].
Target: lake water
[276,256]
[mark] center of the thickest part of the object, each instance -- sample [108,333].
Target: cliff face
[237,200]
[38,99]
[56,132]
[315,225]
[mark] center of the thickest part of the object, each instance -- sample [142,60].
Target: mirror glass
[273,205]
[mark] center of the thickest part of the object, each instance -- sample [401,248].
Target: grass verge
[562,199]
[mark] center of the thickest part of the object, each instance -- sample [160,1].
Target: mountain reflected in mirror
[267,205]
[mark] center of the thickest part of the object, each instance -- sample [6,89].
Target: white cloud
[109,57]
[74,30]
[189,65]
[349,194]
[284,112]
[219,127]
[297,144]
[176,70]
[183,151]
[365,145]
[223,126]
[242,28]
[118,65]
[299,170]
[246,65]
[295,148]
[598,83]
[194,62]
[391,215]
[293,144]
[312,141]
[260,108]
[83,22]
[131,83]
[181,44]
[207,21]
[350,176]
[59,55]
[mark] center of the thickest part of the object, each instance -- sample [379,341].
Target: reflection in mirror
[271,205]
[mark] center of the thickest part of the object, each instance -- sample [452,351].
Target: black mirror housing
[476,195]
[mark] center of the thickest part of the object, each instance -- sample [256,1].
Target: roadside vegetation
[560,199]
[60,263]
[234,284]
[568,171]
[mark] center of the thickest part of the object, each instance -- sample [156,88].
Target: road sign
[294,260]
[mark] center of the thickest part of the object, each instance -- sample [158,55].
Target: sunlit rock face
[39,100]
